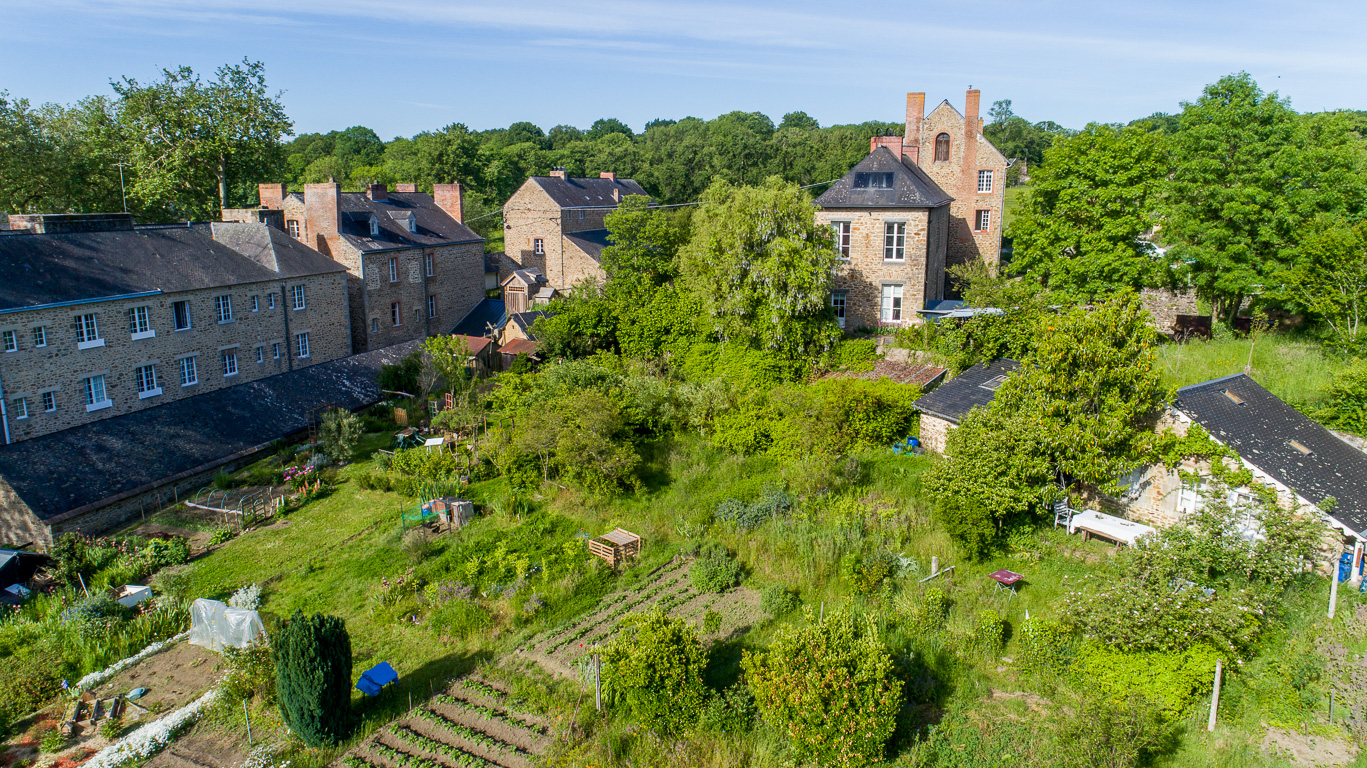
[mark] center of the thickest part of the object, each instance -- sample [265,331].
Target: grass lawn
[1014,196]
[1296,370]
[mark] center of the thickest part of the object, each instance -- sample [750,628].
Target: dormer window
[374,227]
[942,148]
[873,180]
[412,224]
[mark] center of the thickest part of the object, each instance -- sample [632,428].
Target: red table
[1006,580]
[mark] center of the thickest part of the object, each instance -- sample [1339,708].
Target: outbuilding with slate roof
[556,224]
[946,407]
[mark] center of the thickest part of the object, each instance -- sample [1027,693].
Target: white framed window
[181,310]
[895,241]
[982,220]
[139,325]
[538,246]
[275,350]
[412,224]
[1190,498]
[40,335]
[374,227]
[11,341]
[95,395]
[297,296]
[431,306]
[256,303]
[49,402]
[224,307]
[892,303]
[260,354]
[396,314]
[189,371]
[374,325]
[985,180]
[88,332]
[20,408]
[270,301]
[146,376]
[838,304]
[428,264]
[581,214]
[301,344]
[393,269]
[292,227]
[842,238]
[229,362]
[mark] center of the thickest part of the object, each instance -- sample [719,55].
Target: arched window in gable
[942,148]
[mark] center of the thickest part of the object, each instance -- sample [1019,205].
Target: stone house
[555,225]
[519,326]
[526,288]
[414,268]
[945,408]
[103,318]
[919,203]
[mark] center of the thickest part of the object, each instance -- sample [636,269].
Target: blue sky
[403,66]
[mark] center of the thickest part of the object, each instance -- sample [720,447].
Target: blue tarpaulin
[375,678]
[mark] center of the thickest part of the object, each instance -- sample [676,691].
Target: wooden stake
[1333,587]
[597,683]
[1215,696]
[248,718]
[823,610]
[934,564]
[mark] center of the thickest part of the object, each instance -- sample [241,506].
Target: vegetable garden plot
[473,724]
[557,649]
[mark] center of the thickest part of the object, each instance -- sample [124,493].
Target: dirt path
[173,678]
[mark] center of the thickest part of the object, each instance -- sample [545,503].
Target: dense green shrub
[731,711]
[425,464]
[989,632]
[828,687]
[1347,405]
[715,570]
[402,376]
[778,600]
[339,431]
[773,502]
[70,557]
[925,613]
[1044,646]
[852,355]
[313,677]
[868,572]
[654,667]
[30,681]
[1172,680]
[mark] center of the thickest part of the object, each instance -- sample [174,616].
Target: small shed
[615,546]
[451,511]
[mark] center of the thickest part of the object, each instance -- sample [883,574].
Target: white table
[1117,529]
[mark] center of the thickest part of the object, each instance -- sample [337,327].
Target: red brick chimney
[559,173]
[377,192]
[271,195]
[968,178]
[893,143]
[405,187]
[911,141]
[609,175]
[322,214]
[448,198]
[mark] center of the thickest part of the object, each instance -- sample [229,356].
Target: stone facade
[861,277]
[1165,305]
[261,339]
[455,286]
[969,154]
[934,432]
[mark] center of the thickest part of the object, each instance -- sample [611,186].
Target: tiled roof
[435,226]
[486,314]
[47,269]
[67,470]
[1240,413]
[476,344]
[953,399]
[590,241]
[924,376]
[519,346]
[863,186]
[587,193]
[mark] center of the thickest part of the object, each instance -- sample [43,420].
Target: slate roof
[586,193]
[528,277]
[273,249]
[477,322]
[590,241]
[64,471]
[911,187]
[953,399]
[1261,429]
[524,321]
[48,269]
[435,226]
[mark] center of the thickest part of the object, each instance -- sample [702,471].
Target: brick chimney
[609,175]
[448,198]
[559,173]
[405,187]
[377,192]
[322,214]
[969,178]
[893,143]
[271,195]
[911,141]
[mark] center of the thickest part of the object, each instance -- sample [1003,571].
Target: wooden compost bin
[615,546]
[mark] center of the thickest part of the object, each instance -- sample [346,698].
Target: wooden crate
[616,546]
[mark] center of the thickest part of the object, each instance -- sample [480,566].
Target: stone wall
[456,283]
[530,214]
[61,367]
[969,152]
[863,275]
[1165,305]
[934,432]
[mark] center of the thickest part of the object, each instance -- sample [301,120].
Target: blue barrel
[1345,566]
[897,450]
[913,442]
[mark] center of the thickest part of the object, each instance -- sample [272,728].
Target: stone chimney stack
[402,187]
[377,192]
[911,141]
[448,198]
[559,173]
[609,175]
[272,196]
[322,214]
[969,179]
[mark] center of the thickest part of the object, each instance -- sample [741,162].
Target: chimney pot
[448,197]
[609,175]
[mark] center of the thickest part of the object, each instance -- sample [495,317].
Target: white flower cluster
[95,678]
[151,738]
[248,597]
[263,757]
